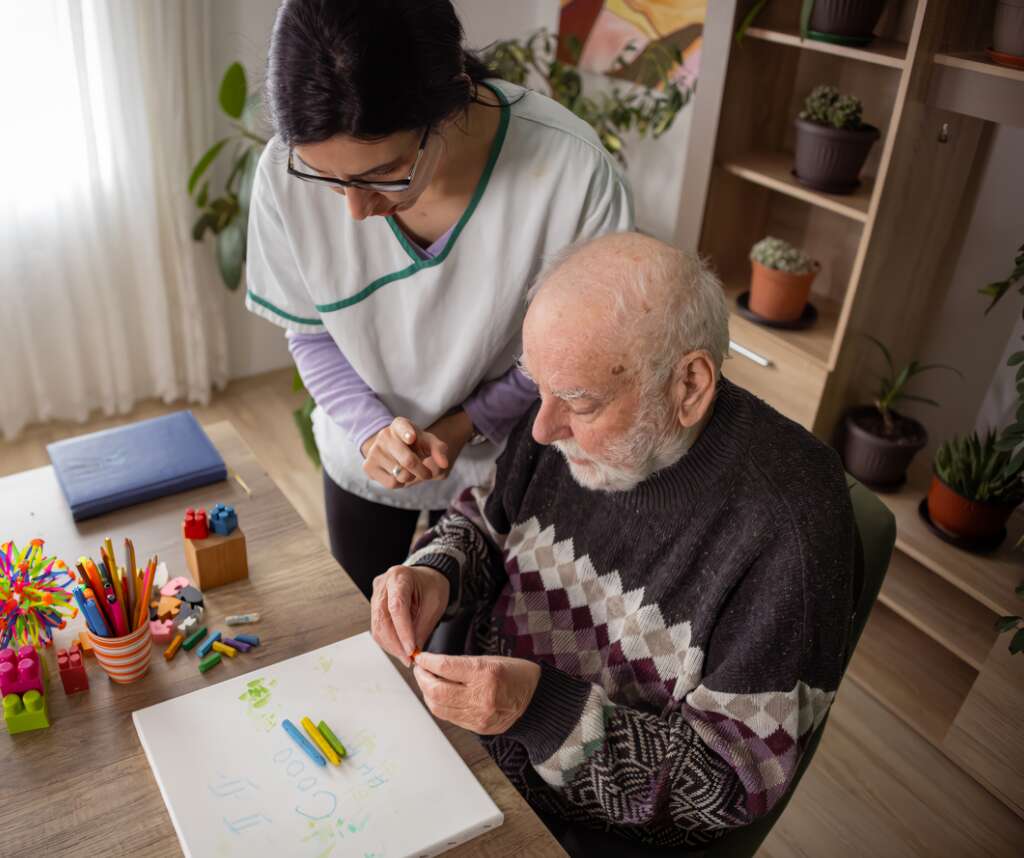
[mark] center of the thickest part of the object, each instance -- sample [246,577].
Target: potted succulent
[975,488]
[879,443]
[780,280]
[832,143]
[842,22]
[1008,34]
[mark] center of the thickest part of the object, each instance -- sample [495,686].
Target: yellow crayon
[321,742]
[224,649]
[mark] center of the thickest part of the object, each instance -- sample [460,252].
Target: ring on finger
[396,471]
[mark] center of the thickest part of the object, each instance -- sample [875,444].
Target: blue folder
[132,464]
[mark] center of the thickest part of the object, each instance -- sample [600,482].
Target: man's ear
[693,387]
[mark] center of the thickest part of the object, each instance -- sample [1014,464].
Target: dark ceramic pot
[963,517]
[1008,29]
[879,462]
[845,22]
[830,159]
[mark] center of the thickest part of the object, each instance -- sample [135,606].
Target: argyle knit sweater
[691,632]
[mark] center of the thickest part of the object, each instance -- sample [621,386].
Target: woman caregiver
[398,216]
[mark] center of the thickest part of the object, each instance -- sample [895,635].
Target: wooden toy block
[174,587]
[167,607]
[24,712]
[72,670]
[223,519]
[217,560]
[21,671]
[162,630]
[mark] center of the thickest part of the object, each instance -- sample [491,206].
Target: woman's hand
[454,430]
[401,455]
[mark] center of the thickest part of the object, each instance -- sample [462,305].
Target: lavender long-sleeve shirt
[494,407]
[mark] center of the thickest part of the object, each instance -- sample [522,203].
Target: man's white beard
[654,442]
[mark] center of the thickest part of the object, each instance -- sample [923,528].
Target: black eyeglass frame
[381,187]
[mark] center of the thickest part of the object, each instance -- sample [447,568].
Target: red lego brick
[72,670]
[195,525]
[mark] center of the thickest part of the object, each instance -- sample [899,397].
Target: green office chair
[876,531]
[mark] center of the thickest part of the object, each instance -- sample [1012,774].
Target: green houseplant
[780,280]
[649,109]
[879,443]
[842,22]
[974,489]
[832,141]
[1013,624]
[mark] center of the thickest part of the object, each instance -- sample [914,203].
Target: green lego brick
[26,711]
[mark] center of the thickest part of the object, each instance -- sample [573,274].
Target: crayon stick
[332,740]
[320,742]
[304,743]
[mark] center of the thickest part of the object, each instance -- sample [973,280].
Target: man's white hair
[670,302]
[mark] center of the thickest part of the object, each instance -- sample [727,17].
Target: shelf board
[944,613]
[814,343]
[883,52]
[971,84]
[774,170]
[989,579]
[910,674]
[978,61]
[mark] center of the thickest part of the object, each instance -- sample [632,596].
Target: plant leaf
[805,17]
[924,399]
[246,182]
[231,253]
[1017,642]
[204,162]
[297,382]
[204,192]
[1004,624]
[233,91]
[748,19]
[305,425]
[205,221]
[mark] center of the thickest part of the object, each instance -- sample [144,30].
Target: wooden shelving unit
[883,52]
[930,652]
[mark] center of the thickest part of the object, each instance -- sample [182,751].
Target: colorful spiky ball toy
[34,595]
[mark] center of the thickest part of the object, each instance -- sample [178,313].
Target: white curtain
[104,297]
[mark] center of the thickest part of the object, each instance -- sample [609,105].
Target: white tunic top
[423,334]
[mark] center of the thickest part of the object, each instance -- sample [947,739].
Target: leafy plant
[227,215]
[1015,625]
[806,8]
[782,256]
[977,469]
[825,105]
[892,386]
[651,108]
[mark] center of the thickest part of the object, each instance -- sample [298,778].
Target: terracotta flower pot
[1008,28]
[878,461]
[830,159]
[845,22]
[964,517]
[779,295]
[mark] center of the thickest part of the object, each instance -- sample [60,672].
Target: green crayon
[332,740]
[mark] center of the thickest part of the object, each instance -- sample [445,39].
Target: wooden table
[61,789]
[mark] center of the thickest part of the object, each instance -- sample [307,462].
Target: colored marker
[241,646]
[209,661]
[194,638]
[120,627]
[224,649]
[175,645]
[252,640]
[242,619]
[207,645]
[304,743]
[320,742]
[332,740]
[95,618]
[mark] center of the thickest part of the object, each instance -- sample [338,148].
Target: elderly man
[660,575]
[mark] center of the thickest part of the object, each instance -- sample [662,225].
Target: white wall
[960,333]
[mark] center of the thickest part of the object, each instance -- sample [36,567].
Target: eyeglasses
[381,187]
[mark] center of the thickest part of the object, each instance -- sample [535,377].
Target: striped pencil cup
[124,659]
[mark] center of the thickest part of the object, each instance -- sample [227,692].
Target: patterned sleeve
[727,751]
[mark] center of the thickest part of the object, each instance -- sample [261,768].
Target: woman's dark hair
[367,68]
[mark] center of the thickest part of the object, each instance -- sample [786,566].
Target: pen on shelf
[241,482]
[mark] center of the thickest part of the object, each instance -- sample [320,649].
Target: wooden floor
[875,788]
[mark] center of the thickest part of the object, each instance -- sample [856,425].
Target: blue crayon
[304,743]
[207,645]
[252,640]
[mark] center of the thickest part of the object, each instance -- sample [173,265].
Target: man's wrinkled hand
[407,603]
[485,694]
